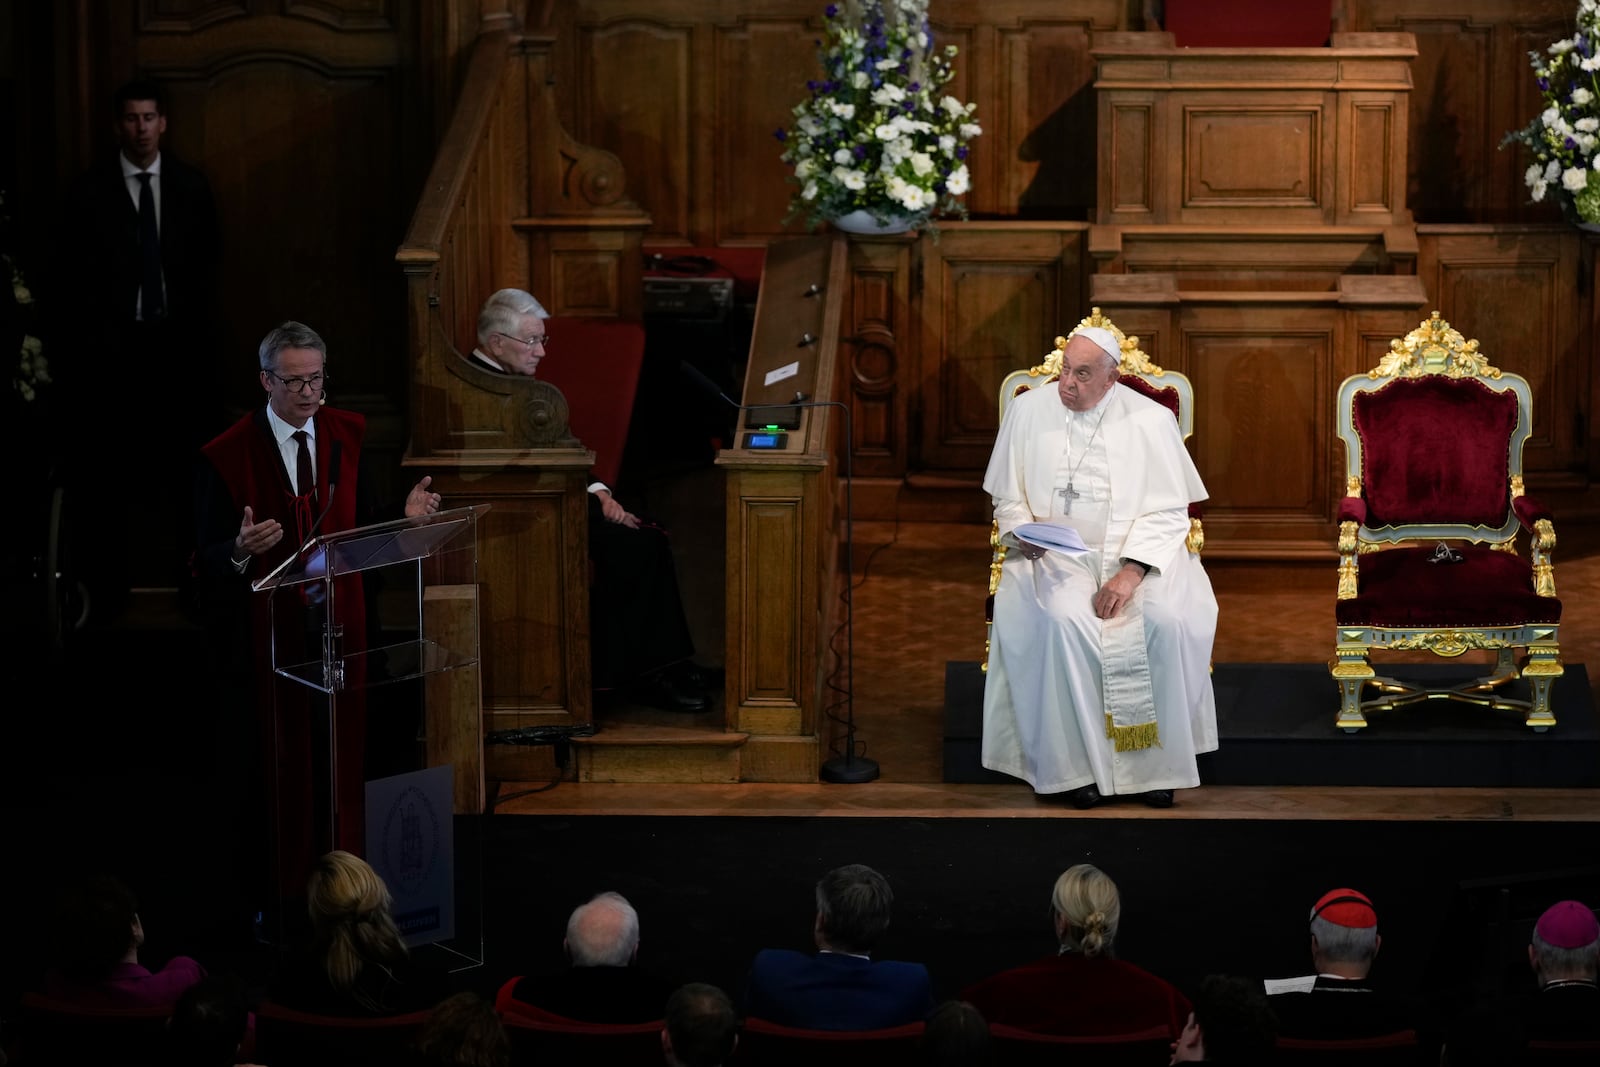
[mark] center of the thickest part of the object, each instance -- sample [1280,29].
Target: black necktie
[305,480]
[152,302]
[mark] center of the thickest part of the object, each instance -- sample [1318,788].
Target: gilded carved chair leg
[1541,671]
[1351,672]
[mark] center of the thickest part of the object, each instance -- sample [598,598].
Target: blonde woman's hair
[349,906]
[1087,908]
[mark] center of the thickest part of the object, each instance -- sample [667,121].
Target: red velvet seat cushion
[1435,450]
[1400,588]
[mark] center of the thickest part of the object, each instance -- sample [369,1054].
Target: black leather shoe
[663,692]
[1159,798]
[1085,797]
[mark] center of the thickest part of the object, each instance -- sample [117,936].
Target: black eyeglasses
[299,385]
[536,339]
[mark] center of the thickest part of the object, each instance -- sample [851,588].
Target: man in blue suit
[841,987]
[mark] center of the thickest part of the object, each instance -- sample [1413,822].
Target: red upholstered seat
[1434,502]
[596,363]
[768,1044]
[1488,587]
[1386,1050]
[1020,1048]
[284,1035]
[50,1032]
[538,1037]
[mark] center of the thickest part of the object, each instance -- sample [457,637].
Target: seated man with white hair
[1099,662]
[603,984]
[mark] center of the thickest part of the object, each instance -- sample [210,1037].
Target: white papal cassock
[1124,703]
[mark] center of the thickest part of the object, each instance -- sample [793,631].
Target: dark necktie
[152,302]
[304,479]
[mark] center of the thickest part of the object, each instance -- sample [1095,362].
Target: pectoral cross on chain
[1068,495]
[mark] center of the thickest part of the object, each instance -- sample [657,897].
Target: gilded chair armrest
[1352,509]
[1348,573]
[1530,511]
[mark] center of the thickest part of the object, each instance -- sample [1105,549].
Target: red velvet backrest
[1167,397]
[1022,1048]
[49,1031]
[1248,23]
[1383,1050]
[596,363]
[537,1037]
[767,1044]
[1435,450]
[285,1035]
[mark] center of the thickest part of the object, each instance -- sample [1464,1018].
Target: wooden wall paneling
[1264,378]
[1244,157]
[993,298]
[1030,72]
[1473,84]
[878,349]
[1371,149]
[647,116]
[1516,290]
[762,66]
[1128,167]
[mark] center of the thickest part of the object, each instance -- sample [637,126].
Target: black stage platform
[1275,723]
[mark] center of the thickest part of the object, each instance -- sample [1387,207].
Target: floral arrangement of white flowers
[877,134]
[1565,135]
[32,370]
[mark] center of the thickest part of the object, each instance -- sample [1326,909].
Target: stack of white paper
[1050,535]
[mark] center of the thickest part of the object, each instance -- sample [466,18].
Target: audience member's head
[463,1031]
[603,933]
[207,1024]
[1566,944]
[1232,1022]
[1344,933]
[1087,910]
[956,1035]
[701,1027]
[96,927]
[349,908]
[511,330]
[852,909]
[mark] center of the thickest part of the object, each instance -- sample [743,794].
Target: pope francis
[1099,664]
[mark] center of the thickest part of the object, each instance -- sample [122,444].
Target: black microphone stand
[848,769]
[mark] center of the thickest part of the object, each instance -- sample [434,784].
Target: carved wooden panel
[994,298]
[772,545]
[1374,185]
[645,118]
[1035,97]
[1129,154]
[1515,289]
[1254,155]
[1472,84]
[877,353]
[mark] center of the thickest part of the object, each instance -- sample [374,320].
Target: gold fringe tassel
[1133,738]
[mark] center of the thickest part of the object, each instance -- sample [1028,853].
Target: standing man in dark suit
[841,987]
[144,253]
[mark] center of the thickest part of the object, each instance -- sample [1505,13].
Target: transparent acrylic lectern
[362,623]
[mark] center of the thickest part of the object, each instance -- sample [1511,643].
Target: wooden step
[650,750]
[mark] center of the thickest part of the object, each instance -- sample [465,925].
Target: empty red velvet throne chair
[1428,527]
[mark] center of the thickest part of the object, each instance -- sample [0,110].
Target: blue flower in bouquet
[1564,136]
[877,132]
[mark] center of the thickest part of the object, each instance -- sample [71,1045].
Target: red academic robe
[249,464]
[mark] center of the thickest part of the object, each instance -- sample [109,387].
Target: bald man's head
[603,933]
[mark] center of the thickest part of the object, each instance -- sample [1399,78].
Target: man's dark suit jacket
[105,221]
[598,994]
[834,991]
[1340,1008]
